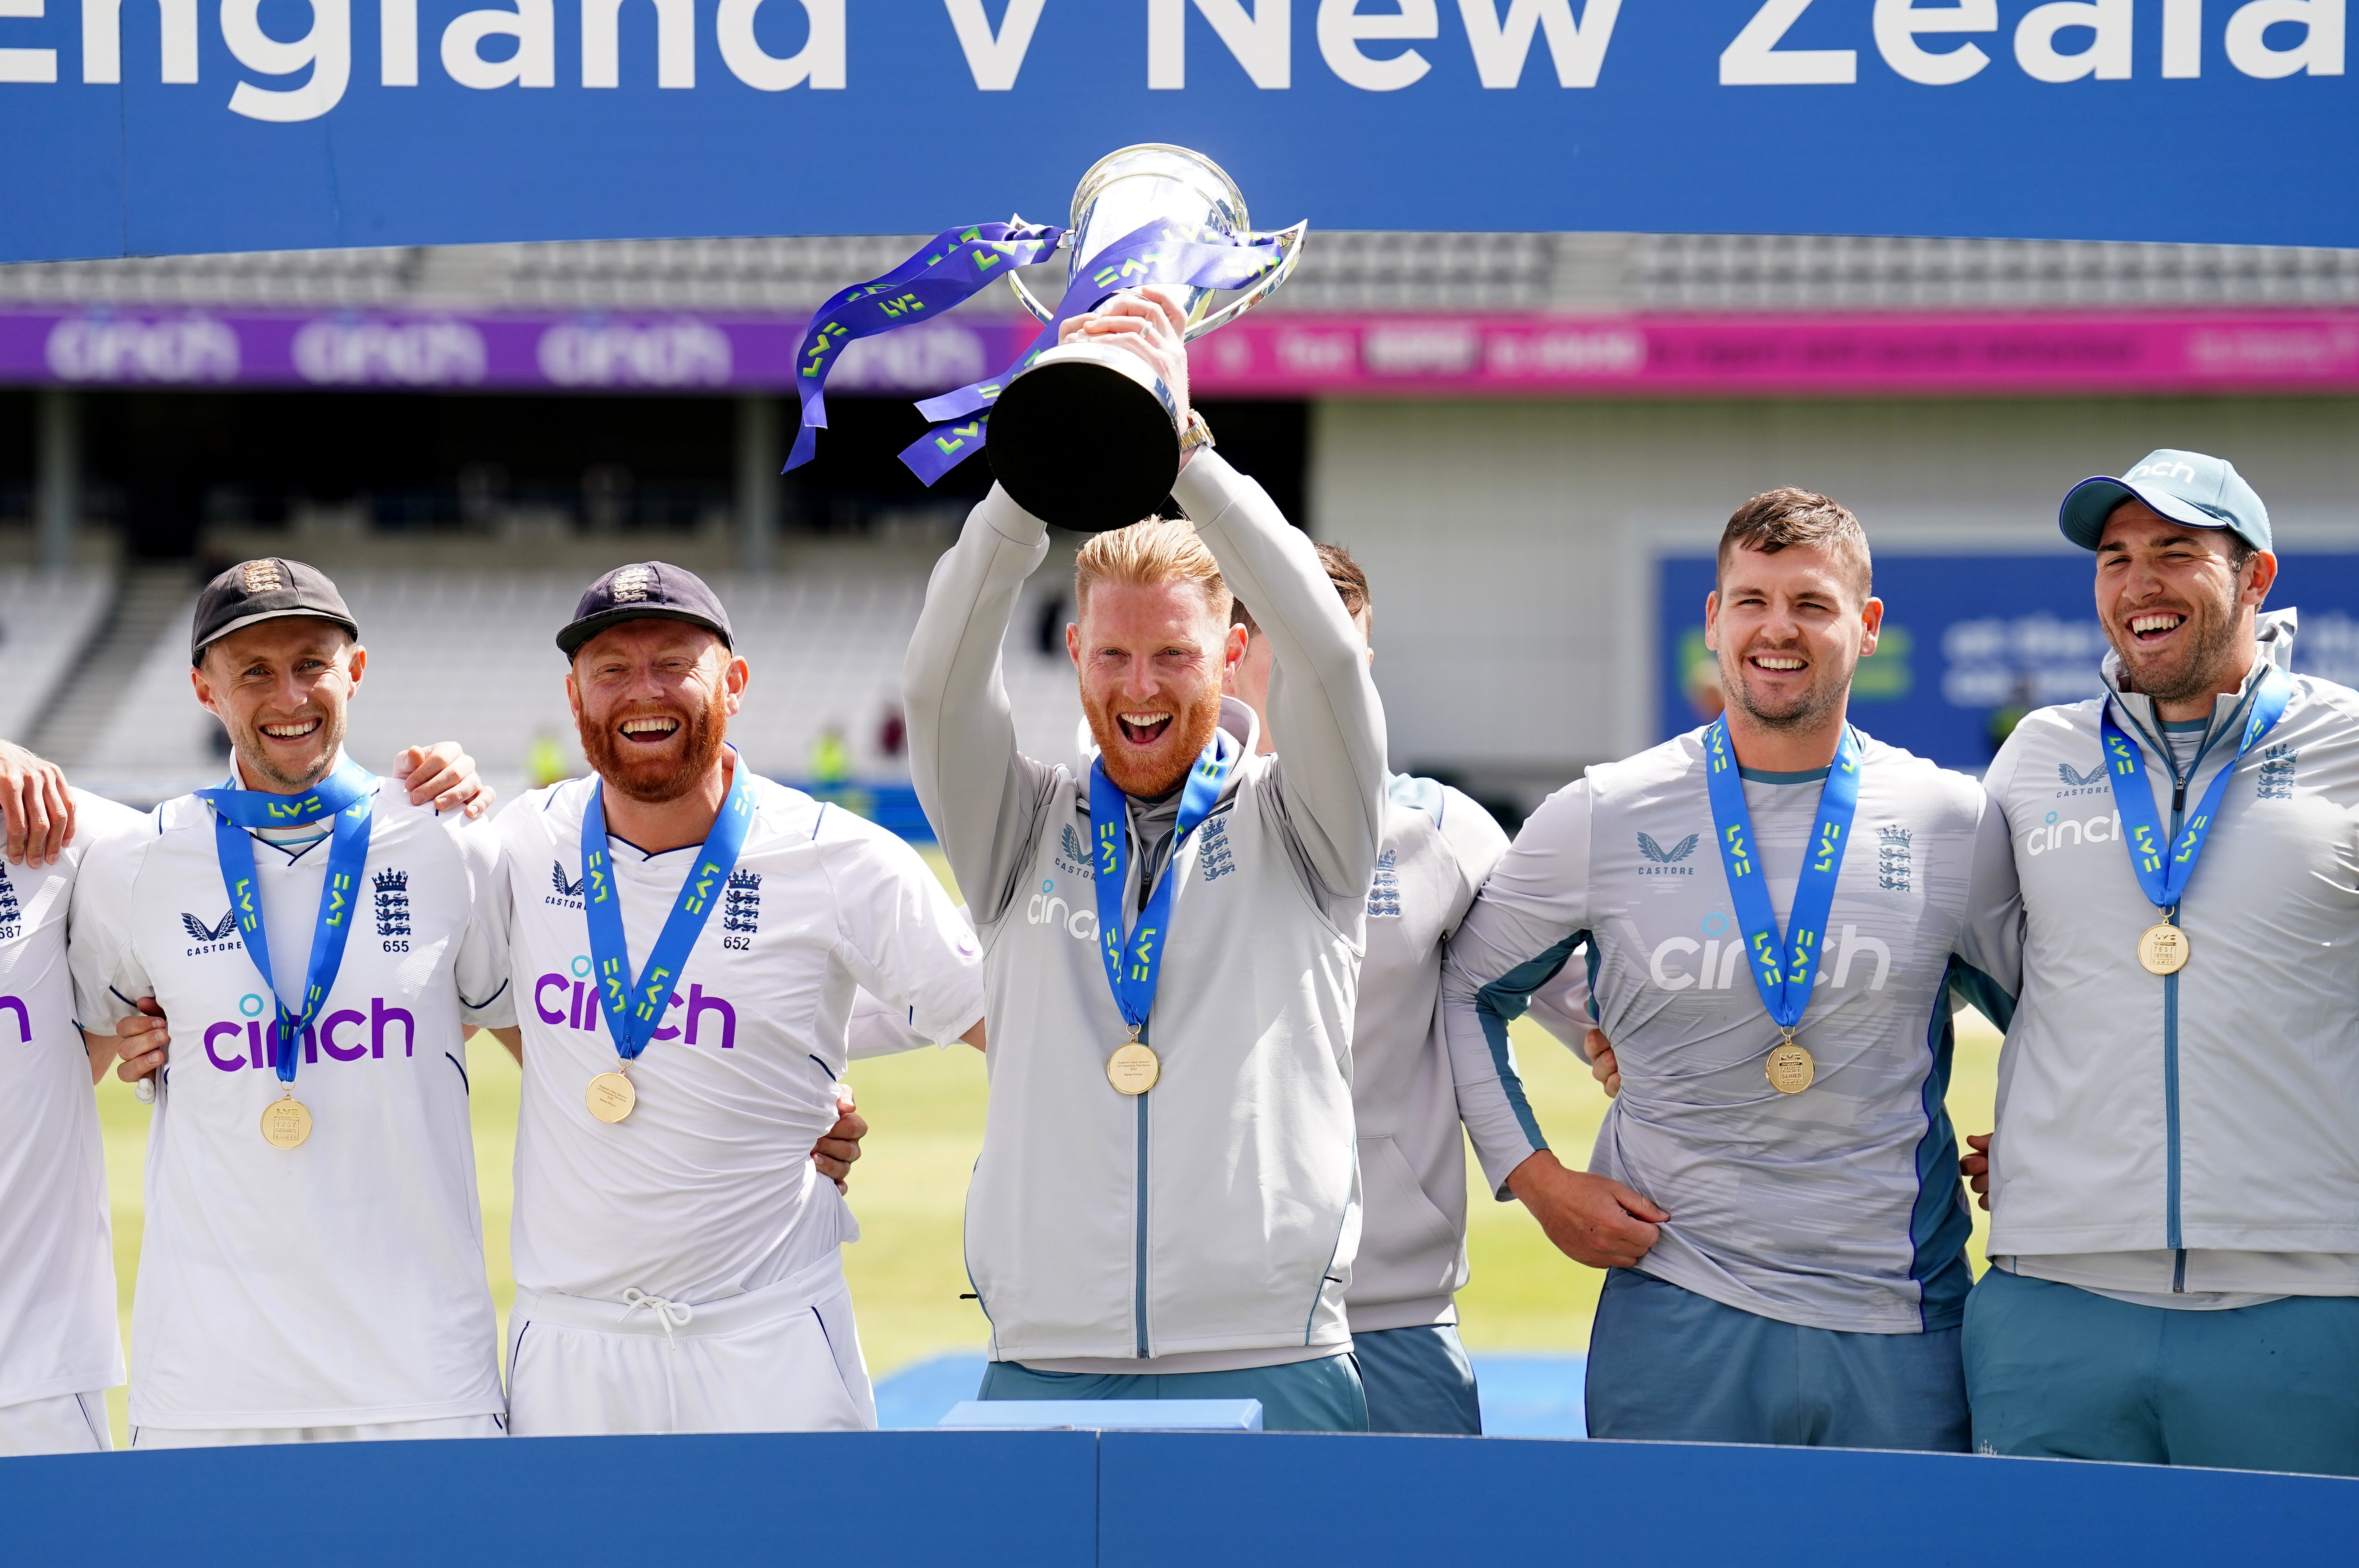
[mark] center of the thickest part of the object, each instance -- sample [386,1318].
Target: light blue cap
[2186,487]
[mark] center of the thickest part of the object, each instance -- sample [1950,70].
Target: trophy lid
[1162,160]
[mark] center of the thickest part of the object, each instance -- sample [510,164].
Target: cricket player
[312,1265]
[2174,1186]
[60,1349]
[1167,1201]
[1771,906]
[688,941]
[1438,847]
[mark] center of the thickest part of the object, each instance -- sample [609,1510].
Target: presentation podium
[1142,1499]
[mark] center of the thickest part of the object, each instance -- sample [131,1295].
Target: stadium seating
[1342,270]
[45,619]
[470,656]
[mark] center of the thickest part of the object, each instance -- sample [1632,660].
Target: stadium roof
[1343,270]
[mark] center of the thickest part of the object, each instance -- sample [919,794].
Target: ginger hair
[1153,551]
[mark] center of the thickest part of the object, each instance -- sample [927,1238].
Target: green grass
[910,1191]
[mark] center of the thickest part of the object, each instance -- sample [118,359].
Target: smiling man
[1167,1204]
[1771,905]
[689,940]
[313,1267]
[2175,1184]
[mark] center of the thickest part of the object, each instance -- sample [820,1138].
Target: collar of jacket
[2273,631]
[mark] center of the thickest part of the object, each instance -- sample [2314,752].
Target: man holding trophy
[1167,1204]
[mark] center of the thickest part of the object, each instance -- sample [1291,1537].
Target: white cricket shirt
[707,1189]
[339,1283]
[56,1249]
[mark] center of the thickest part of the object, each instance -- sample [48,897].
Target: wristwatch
[1194,434]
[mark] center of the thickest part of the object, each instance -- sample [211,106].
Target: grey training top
[1838,1208]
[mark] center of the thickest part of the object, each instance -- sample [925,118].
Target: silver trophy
[1087,436]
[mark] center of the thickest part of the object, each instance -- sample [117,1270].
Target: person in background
[1438,847]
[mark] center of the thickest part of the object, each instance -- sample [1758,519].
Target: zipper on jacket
[1138,1279]
[2178,784]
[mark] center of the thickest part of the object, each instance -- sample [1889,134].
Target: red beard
[657,776]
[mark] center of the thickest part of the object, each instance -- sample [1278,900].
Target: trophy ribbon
[1161,252]
[954,265]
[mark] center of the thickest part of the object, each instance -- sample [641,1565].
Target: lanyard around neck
[347,794]
[1783,969]
[1134,965]
[634,1009]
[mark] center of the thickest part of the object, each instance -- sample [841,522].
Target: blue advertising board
[146,126]
[1968,638]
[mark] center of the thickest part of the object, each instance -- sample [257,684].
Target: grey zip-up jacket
[2197,1132]
[1438,846]
[1210,1223]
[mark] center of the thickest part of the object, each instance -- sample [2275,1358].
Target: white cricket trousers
[63,1424]
[783,1358]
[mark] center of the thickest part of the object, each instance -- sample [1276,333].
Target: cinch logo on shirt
[212,938]
[1047,909]
[569,1002]
[1666,863]
[347,1035]
[24,1019]
[1722,966]
[2055,834]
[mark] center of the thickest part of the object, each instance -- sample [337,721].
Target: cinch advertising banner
[1971,642]
[147,126]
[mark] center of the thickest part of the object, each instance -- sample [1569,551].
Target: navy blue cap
[2186,487]
[645,590]
[267,589]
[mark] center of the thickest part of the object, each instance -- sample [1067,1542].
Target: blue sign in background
[1966,635]
[397,122]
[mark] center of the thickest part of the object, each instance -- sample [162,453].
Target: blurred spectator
[544,762]
[892,733]
[830,762]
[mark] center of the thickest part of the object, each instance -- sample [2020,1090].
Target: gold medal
[1790,1068]
[1133,1069]
[611,1096]
[2163,950]
[285,1122]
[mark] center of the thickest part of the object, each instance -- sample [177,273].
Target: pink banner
[1273,355]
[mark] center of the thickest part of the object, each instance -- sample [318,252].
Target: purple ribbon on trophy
[954,265]
[961,262]
[1163,252]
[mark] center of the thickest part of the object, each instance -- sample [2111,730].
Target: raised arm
[983,797]
[1331,771]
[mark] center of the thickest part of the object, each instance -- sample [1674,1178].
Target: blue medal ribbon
[634,1009]
[347,794]
[1785,969]
[2163,875]
[1134,964]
